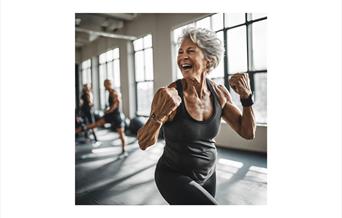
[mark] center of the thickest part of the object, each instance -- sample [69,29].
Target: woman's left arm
[242,122]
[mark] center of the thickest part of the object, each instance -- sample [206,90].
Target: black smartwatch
[246,102]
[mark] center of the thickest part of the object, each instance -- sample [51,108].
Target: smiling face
[191,60]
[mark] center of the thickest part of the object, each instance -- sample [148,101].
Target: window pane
[86,72]
[89,75]
[116,53]
[219,81]
[84,77]
[219,70]
[110,55]
[138,44]
[217,21]
[144,97]
[139,66]
[233,19]
[177,33]
[204,23]
[116,73]
[149,64]
[102,58]
[102,72]
[110,70]
[237,50]
[235,97]
[260,94]
[102,77]
[148,41]
[86,64]
[259,45]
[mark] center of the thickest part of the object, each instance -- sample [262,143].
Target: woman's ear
[208,64]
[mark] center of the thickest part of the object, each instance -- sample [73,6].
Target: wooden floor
[102,177]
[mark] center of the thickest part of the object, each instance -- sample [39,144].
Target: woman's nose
[184,56]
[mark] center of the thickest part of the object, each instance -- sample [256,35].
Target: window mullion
[250,53]
[225,58]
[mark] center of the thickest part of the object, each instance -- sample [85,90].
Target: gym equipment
[135,124]
[126,120]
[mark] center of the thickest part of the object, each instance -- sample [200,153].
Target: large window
[143,57]
[86,71]
[109,68]
[244,38]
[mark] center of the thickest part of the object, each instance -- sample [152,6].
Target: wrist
[247,101]
[155,118]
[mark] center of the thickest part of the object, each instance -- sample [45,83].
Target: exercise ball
[127,122]
[135,124]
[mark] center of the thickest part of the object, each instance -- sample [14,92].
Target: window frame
[105,64]
[143,50]
[248,23]
[86,70]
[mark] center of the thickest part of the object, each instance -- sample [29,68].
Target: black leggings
[179,189]
[89,118]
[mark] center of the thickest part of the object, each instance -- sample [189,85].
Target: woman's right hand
[165,101]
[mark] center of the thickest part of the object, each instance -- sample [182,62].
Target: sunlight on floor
[256,174]
[227,168]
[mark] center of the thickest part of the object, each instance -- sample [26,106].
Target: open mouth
[186,66]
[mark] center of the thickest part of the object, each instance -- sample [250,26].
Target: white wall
[227,137]
[160,26]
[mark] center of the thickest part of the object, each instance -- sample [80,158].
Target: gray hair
[207,40]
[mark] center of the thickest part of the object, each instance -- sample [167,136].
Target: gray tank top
[189,143]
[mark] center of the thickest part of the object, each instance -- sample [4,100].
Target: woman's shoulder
[218,87]
[221,91]
[173,84]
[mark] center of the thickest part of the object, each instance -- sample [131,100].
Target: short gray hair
[207,40]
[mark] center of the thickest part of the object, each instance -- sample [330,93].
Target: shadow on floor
[85,198]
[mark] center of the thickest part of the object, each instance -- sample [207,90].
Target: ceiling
[90,26]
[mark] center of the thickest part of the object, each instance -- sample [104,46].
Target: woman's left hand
[240,84]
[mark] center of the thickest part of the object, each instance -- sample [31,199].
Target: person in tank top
[190,111]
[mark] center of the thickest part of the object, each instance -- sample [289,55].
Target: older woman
[190,112]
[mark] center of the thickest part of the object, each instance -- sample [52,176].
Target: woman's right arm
[164,105]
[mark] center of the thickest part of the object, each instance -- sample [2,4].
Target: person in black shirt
[190,111]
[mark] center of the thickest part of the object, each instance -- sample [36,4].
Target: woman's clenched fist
[165,101]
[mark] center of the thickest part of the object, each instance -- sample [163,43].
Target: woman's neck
[196,85]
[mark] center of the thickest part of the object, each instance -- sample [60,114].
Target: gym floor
[103,178]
